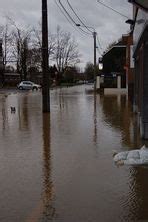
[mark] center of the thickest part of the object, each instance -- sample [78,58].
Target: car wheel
[20,87]
[35,88]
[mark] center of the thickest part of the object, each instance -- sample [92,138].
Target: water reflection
[4,115]
[138,142]
[136,201]
[61,100]
[141,182]
[118,114]
[48,190]
[95,120]
[23,113]
[44,209]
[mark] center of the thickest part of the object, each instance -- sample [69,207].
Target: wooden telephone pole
[95,61]
[45,61]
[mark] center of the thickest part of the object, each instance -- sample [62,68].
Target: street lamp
[130,21]
[140,3]
[94,33]
[45,59]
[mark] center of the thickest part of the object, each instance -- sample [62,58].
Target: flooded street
[59,167]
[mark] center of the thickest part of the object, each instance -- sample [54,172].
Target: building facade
[129,64]
[140,54]
[118,60]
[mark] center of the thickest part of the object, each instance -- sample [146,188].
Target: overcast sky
[108,24]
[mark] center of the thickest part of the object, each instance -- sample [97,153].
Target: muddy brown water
[59,167]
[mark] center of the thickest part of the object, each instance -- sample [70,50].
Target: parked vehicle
[28,85]
[90,82]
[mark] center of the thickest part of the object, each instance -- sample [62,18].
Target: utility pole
[95,46]
[45,61]
[94,33]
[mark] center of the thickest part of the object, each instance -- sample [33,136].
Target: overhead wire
[109,7]
[67,17]
[99,48]
[78,16]
[70,17]
[72,21]
[114,10]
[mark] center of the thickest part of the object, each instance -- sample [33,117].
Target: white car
[28,85]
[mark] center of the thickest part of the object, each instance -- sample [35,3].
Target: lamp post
[94,33]
[140,3]
[45,60]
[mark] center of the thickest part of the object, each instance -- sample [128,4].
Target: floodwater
[59,167]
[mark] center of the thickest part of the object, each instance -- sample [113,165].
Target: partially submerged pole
[45,61]
[95,63]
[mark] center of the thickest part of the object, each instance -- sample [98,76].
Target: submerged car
[28,85]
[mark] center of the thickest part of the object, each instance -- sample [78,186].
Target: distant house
[117,62]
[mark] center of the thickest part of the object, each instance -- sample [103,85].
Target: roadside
[8,89]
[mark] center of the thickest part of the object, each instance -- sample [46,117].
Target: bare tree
[6,40]
[23,48]
[20,43]
[66,52]
[38,42]
[5,35]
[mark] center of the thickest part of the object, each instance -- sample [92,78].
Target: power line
[70,17]
[67,17]
[99,44]
[78,16]
[67,12]
[109,7]
[72,21]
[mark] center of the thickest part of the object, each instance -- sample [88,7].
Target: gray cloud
[109,25]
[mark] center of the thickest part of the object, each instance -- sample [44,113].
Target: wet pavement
[59,167]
